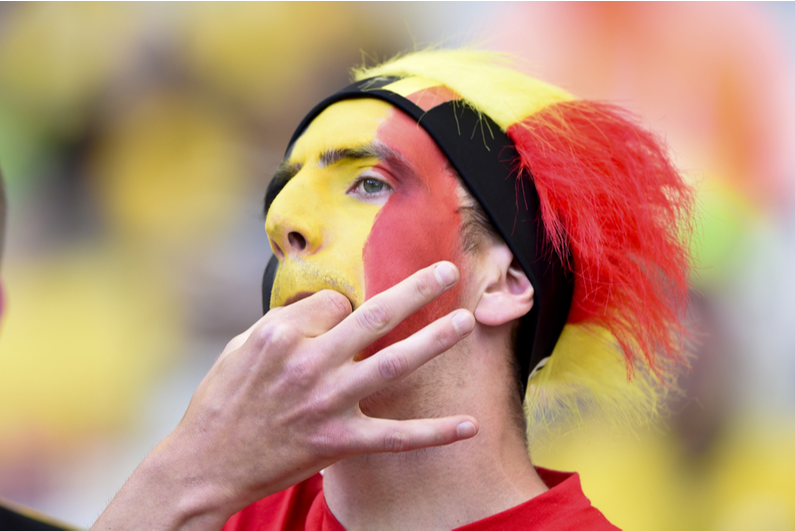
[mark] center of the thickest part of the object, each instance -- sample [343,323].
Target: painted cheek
[417,227]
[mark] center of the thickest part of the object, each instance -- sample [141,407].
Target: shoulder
[564,507]
[288,509]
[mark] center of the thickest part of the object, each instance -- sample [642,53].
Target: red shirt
[302,507]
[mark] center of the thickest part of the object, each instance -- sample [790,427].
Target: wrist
[195,496]
[168,490]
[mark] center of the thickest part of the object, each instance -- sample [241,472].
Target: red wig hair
[611,197]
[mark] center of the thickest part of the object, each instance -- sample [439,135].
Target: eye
[371,188]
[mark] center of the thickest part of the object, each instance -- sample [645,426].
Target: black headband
[485,158]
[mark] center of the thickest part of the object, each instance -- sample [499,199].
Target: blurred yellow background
[137,141]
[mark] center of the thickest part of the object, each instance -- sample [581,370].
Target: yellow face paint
[320,221]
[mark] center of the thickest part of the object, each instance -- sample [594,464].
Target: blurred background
[137,141]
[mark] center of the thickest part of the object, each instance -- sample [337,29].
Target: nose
[289,236]
[292,224]
[293,245]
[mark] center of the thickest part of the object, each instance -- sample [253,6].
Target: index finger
[311,316]
[379,315]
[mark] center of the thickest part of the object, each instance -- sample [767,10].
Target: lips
[297,297]
[304,294]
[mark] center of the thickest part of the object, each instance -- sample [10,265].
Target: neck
[448,486]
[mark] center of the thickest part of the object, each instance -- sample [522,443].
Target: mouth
[304,294]
[297,297]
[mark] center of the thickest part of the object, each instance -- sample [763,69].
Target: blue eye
[372,186]
[375,190]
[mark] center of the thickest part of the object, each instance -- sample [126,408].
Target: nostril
[297,241]
[277,250]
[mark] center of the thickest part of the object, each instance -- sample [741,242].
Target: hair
[475,223]
[615,210]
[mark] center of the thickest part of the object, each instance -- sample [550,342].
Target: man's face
[372,201]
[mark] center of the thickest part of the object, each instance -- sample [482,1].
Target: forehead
[348,123]
[357,123]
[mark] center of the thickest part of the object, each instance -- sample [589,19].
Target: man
[563,219]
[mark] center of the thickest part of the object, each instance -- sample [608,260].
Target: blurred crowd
[137,141]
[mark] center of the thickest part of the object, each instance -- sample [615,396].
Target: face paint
[361,224]
[319,222]
[419,225]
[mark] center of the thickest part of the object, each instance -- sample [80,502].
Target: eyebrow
[373,150]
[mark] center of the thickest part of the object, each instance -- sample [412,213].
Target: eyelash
[358,186]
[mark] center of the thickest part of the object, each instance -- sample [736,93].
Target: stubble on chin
[297,276]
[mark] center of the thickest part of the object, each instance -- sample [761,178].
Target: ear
[507,292]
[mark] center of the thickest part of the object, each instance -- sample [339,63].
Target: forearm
[167,491]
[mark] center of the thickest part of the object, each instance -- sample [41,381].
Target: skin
[319,223]
[360,225]
[418,223]
[281,403]
[305,390]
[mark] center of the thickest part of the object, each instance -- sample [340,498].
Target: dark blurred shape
[14,521]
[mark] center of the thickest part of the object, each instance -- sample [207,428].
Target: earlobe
[508,294]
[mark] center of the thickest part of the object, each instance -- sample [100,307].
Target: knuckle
[440,340]
[234,344]
[299,372]
[374,316]
[396,441]
[323,404]
[338,304]
[275,335]
[426,287]
[328,442]
[392,366]
[315,408]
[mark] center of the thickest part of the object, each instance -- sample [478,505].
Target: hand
[282,402]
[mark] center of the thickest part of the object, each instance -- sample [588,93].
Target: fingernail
[463,322]
[466,430]
[446,273]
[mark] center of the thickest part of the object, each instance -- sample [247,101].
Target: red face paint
[418,226]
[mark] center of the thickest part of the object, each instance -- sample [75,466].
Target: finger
[399,359]
[318,313]
[382,435]
[313,315]
[309,317]
[276,336]
[379,315]
[237,342]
